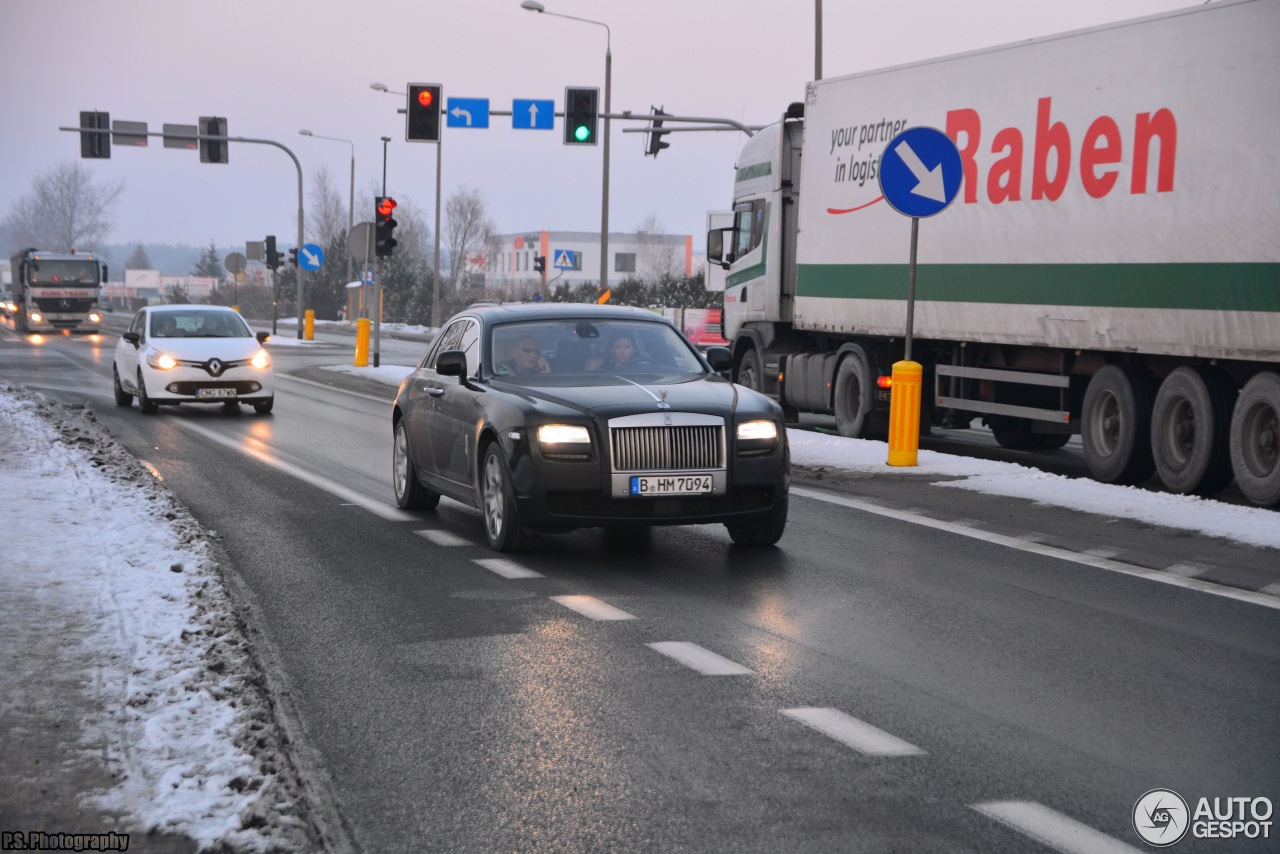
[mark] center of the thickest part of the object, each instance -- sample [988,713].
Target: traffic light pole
[435,284]
[199,137]
[604,204]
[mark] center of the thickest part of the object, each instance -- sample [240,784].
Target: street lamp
[535,6]
[435,284]
[351,199]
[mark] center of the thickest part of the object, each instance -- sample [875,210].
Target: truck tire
[1115,427]
[1190,429]
[855,395]
[1255,440]
[749,371]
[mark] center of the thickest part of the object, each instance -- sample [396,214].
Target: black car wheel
[410,493]
[765,534]
[501,519]
[123,398]
[145,403]
[264,407]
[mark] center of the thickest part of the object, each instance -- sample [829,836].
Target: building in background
[572,259]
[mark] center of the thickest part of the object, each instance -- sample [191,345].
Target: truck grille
[678,448]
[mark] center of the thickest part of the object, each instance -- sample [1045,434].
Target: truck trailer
[1110,266]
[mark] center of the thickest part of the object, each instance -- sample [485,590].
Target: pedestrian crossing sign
[564,259]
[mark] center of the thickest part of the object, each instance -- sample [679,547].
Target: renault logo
[214,367]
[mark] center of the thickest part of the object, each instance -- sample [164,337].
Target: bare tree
[64,210]
[328,220]
[467,229]
[659,254]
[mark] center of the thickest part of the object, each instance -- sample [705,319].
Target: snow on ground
[172,699]
[1249,525]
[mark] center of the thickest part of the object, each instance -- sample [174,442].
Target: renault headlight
[161,361]
[261,360]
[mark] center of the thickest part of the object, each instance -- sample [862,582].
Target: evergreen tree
[138,259]
[209,265]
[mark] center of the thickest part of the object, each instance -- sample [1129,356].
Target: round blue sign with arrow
[310,256]
[920,172]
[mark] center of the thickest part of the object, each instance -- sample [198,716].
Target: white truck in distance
[1111,265]
[56,291]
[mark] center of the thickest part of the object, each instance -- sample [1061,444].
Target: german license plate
[670,484]
[212,393]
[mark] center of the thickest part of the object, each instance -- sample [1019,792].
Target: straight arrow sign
[528,114]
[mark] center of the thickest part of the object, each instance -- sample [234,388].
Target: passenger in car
[622,349]
[526,358]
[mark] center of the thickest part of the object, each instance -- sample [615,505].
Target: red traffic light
[386,206]
[425,97]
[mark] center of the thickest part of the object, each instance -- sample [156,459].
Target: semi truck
[56,291]
[1110,266]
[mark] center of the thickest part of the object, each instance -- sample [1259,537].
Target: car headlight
[37,317]
[161,361]
[261,360]
[757,436]
[94,317]
[563,434]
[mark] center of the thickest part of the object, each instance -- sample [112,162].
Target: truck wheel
[855,395]
[1116,424]
[1190,427]
[1255,440]
[749,374]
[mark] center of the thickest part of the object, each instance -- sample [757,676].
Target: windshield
[77,272]
[596,347]
[198,323]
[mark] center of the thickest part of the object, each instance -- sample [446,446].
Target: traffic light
[213,150]
[95,145]
[540,263]
[655,135]
[384,240]
[293,256]
[422,115]
[581,115]
[273,257]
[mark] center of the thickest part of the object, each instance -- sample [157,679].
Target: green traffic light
[582,133]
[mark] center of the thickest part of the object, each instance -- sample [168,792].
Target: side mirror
[715,245]
[452,363]
[720,358]
[262,337]
[131,337]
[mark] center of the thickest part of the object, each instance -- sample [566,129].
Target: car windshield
[68,272]
[589,347]
[198,323]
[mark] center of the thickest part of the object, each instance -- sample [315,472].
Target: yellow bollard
[362,342]
[309,325]
[904,413]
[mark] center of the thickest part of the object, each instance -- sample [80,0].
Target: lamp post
[435,284]
[535,6]
[351,198]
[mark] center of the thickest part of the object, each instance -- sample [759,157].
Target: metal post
[435,284]
[911,285]
[604,204]
[377,276]
[817,39]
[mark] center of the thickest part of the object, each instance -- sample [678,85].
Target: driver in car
[526,358]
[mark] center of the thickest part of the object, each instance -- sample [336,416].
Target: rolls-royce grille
[667,448]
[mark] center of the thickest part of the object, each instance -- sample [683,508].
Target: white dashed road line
[590,606]
[859,735]
[1052,829]
[1160,576]
[506,568]
[443,538]
[702,660]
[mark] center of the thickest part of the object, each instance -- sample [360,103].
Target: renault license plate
[213,393]
[670,484]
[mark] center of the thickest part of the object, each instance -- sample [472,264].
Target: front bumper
[182,385]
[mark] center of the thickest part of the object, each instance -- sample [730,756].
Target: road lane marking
[1047,551]
[859,735]
[1052,828]
[386,401]
[444,538]
[590,606]
[506,568]
[378,508]
[702,660]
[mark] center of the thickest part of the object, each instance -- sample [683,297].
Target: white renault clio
[192,354]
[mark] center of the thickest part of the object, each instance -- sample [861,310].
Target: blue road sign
[563,259]
[920,172]
[310,256]
[533,115]
[468,113]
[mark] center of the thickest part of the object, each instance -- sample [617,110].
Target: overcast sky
[272,68]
